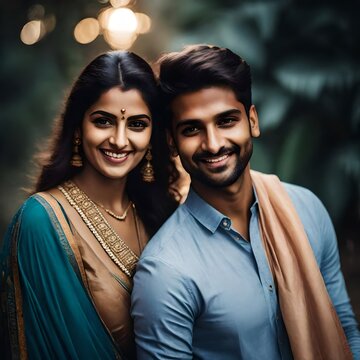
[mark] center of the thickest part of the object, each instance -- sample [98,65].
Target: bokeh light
[119,40]
[50,23]
[103,17]
[36,12]
[32,32]
[119,27]
[86,30]
[38,26]
[122,20]
[118,3]
[144,23]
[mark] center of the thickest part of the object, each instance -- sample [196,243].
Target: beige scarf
[314,330]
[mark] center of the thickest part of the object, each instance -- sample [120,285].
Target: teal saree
[46,310]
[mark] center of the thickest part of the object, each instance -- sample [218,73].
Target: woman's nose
[119,137]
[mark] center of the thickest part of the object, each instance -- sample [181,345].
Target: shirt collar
[203,212]
[207,215]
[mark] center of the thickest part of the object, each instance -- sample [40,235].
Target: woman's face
[116,133]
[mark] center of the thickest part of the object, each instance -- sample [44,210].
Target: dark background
[306,85]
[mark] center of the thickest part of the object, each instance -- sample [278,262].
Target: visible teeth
[217,159]
[115,155]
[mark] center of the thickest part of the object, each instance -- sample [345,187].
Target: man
[234,273]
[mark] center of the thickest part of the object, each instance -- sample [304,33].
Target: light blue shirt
[203,292]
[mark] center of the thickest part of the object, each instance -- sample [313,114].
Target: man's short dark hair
[201,66]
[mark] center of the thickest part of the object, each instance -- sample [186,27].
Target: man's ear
[254,122]
[171,143]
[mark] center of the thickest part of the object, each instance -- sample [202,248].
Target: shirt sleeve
[163,309]
[334,280]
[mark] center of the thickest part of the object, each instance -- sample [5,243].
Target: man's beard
[241,163]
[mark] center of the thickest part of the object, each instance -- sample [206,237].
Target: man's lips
[221,155]
[214,159]
[215,162]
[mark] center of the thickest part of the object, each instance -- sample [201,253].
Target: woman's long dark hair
[128,71]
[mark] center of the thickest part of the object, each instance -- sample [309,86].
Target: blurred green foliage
[306,79]
[306,86]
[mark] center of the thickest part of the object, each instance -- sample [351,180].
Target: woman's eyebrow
[105,113]
[140,116]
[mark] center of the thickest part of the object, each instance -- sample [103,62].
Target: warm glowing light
[118,40]
[118,3]
[32,32]
[144,23]
[36,12]
[103,17]
[50,22]
[86,30]
[122,20]
[121,26]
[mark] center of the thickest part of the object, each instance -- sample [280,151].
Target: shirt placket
[268,284]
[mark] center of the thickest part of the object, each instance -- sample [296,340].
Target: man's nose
[213,141]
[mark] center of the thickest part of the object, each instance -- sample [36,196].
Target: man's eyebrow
[104,113]
[217,116]
[228,112]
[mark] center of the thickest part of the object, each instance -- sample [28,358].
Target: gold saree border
[14,299]
[21,339]
[58,218]
[67,239]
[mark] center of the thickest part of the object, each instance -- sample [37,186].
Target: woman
[71,250]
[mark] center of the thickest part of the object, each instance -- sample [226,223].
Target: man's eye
[137,125]
[102,121]
[190,130]
[229,121]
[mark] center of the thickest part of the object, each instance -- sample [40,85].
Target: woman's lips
[115,157]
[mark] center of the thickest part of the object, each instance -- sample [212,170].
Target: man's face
[212,134]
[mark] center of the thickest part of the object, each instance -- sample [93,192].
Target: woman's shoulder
[35,224]
[35,211]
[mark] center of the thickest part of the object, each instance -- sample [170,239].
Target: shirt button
[271,287]
[225,223]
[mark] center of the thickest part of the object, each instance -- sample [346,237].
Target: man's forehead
[207,102]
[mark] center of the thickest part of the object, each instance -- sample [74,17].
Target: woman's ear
[77,133]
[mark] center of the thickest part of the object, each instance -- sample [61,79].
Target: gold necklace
[118,251]
[117,217]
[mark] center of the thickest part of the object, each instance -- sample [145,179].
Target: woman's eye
[137,125]
[102,121]
[190,130]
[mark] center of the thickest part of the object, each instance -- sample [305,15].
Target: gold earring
[76,159]
[147,170]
